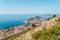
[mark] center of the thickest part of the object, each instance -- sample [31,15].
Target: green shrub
[54,15]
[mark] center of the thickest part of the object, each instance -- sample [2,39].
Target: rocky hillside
[45,24]
[48,28]
[35,20]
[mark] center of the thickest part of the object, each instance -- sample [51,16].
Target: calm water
[11,20]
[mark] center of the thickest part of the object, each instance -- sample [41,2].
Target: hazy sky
[29,6]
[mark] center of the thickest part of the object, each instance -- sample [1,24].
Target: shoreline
[4,24]
[9,31]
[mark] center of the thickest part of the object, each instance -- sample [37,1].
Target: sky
[29,6]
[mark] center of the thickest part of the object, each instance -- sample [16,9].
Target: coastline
[9,31]
[16,20]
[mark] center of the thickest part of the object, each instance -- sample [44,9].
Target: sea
[16,20]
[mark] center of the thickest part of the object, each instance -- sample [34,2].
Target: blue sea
[15,20]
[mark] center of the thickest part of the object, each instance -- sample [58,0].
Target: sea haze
[15,20]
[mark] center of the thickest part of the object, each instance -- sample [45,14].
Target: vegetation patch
[52,33]
[58,20]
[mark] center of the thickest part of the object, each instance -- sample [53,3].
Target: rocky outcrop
[34,21]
